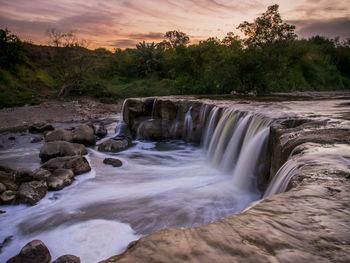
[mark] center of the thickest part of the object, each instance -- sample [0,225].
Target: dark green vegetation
[268,59]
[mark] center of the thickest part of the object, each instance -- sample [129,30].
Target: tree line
[269,58]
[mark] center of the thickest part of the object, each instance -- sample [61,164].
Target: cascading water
[161,184]
[280,181]
[188,125]
[209,127]
[238,146]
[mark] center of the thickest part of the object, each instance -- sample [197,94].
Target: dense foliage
[270,58]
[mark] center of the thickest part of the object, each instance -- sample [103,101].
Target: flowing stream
[161,184]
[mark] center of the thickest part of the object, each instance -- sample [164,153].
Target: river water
[160,185]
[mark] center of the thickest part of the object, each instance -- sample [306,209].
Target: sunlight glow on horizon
[118,23]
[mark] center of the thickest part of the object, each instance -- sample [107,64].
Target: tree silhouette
[267,28]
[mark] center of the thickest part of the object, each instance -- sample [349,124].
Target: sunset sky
[121,23]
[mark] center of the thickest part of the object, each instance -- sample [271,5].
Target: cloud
[329,28]
[122,43]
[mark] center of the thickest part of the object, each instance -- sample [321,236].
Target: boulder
[8,197]
[67,259]
[112,161]
[84,134]
[32,192]
[60,149]
[151,129]
[2,188]
[41,174]
[22,175]
[33,252]
[59,135]
[101,132]
[60,178]
[116,144]
[78,164]
[40,128]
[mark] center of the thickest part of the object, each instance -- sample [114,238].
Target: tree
[11,49]
[177,38]
[147,58]
[232,41]
[267,28]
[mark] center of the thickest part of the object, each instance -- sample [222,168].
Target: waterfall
[122,112]
[280,181]
[244,175]
[237,145]
[153,108]
[209,127]
[188,125]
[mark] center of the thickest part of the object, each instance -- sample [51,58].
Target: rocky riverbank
[309,222]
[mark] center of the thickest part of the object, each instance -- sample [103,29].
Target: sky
[120,23]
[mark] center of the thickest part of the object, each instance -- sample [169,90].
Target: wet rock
[116,144]
[101,132]
[22,175]
[77,164]
[60,149]
[60,178]
[2,188]
[67,259]
[8,197]
[41,174]
[36,139]
[11,138]
[10,185]
[2,212]
[40,128]
[33,252]
[84,134]
[112,161]
[152,130]
[32,192]
[59,135]
[6,169]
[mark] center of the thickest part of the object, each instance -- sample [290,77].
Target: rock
[67,259]
[151,130]
[84,134]
[114,145]
[2,212]
[39,128]
[12,138]
[33,252]
[112,161]
[8,197]
[36,139]
[60,149]
[22,175]
[59,135]
[77,164]
[6,169]
[60,178]
[41,174]
[10,185]
[101,132]
[7,176]
[2,188]
[32,192]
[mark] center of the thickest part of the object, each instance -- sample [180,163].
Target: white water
[160,185]
[280,181]
[188,125]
